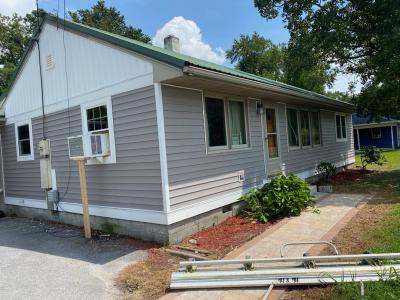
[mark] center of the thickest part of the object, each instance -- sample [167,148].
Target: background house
[383,134]
[186,137]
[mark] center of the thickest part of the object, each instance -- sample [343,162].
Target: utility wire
[68,107]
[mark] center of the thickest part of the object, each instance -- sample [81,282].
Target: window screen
[293,128]
[305,128]
[237,123]
[97,118]
[315,128]
[216,122]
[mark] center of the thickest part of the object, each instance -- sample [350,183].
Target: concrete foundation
[161,234]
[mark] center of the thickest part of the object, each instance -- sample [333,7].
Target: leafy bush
[371,155]
[283,196]
[326,169]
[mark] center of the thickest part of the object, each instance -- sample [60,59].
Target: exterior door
[272,142]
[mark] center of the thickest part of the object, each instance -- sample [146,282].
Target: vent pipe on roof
[171,42]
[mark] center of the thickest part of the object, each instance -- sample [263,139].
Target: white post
[391,133]
[358,139]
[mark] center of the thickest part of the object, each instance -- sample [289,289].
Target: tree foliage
[360,36]
[286,63]
[109,19]
[15,32]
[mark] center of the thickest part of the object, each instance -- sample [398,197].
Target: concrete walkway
[336,210]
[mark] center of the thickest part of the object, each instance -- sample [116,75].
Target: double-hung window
[226,123]
[340,127]
[97,118]
[24,141]
[304,129]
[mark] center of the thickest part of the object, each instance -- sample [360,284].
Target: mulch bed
[350,175]
[229,235]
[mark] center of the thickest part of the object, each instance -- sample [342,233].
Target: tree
[15,32]
[260,56]
[360,36]
[108,19]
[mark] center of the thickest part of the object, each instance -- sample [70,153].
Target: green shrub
[371,155]
[326,169]
[283,196]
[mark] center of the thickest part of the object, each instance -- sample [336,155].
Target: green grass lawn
[385,238]
[393,161]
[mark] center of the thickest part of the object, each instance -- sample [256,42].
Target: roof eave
[193,70]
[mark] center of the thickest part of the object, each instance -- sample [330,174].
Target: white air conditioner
[89,146]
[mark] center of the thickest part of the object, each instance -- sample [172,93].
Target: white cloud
[21,7]
[190,38]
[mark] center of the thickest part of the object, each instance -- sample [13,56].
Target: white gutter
[373,125]
[265,86]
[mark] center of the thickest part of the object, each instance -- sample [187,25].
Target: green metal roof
[169,57]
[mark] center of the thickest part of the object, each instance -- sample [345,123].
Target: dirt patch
[148,279]
[350,240]
[350,175]
[229,235]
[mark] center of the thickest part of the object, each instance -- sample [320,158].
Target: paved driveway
[51,261]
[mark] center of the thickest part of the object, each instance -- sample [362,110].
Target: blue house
[383,134]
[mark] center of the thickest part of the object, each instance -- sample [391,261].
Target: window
[376,133]
[293,128]
[315,128]
[215,110]
[226,129]
[97,118]
[272,134]
[237,123]
[305,128]
[341,127]
[24,142]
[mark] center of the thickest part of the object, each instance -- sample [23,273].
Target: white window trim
[24,157]
[229,146]
[276,133]
[246,127]
[301,146]
[112,158]
[345,124]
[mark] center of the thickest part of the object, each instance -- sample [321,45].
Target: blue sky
[220,23]
[206,28]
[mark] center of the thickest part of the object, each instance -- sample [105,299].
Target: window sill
[232,150]
[341,140]
[25,158]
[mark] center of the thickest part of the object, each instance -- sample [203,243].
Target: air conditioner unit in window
[89,146]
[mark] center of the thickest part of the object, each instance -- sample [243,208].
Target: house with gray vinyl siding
[186,137]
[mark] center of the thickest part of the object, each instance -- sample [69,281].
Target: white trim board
[162,146]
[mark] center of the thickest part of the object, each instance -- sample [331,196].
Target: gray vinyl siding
[133,182]
[193,175]
[22,179]
[300,160]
